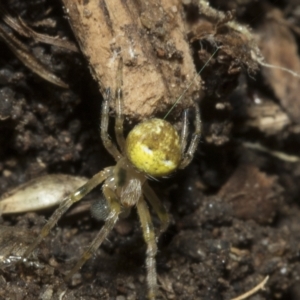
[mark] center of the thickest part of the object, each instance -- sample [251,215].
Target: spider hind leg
[66,204]
[150,239]
[114,209]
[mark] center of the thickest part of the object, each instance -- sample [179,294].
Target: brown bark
[150,37]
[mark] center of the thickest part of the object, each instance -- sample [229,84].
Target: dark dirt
[235,215]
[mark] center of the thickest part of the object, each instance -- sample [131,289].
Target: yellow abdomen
[153,147]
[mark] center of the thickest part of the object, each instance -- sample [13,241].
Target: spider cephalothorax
[152,149]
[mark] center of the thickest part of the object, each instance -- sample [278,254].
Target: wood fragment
[150,36]
[282,63]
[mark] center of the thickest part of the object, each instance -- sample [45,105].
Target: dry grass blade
[25,56]
[260,286]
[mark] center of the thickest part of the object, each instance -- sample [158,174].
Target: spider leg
[65,205]
[149,236]
[184,131]
[110,147]
[189,154]
[119,108]
[157,206]
[110,221]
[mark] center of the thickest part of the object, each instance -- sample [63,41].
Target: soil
[234,210]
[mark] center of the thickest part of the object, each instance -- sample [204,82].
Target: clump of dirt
[234,211]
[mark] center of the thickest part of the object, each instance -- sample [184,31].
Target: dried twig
[24,54]
[280,155]
[260,286]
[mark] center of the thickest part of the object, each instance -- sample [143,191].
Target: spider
[153,148]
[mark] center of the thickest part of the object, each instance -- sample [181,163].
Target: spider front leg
[149,236]
[113,211]
[109,146]
[189,154]
[65,205]
[119,108]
